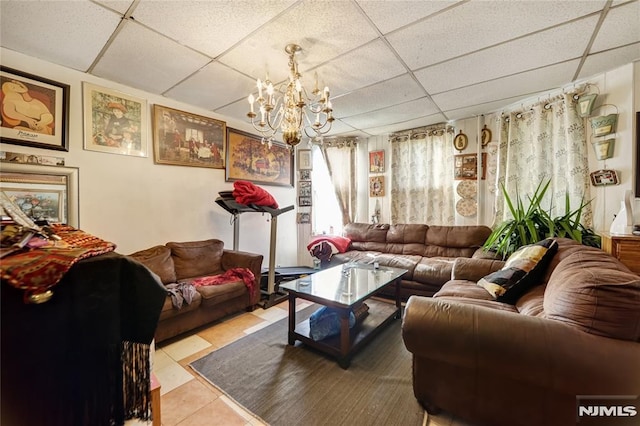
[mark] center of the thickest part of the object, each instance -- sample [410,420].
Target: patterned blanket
[36,270]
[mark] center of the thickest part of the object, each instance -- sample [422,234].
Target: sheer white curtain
[422,177]
[340,158]
[547,142]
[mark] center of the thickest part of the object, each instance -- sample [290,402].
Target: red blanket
[324,246]
[229,276]
[246,193]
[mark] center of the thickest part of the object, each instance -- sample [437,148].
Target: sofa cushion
[594,292]
[158,260]
[521,271]
[196,258]
[463,288]
[169,311]
[213,295]
[433,270]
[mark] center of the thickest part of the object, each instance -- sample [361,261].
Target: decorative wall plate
[460,141]
[467,207]
[485,136]
[467,188]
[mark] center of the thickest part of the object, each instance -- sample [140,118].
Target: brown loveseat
[568,340]
[184,261]
[427,252]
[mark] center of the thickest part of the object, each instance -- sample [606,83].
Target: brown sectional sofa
[491,363]
[184,261]
[427,252]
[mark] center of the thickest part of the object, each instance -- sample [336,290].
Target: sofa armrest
[242,259]
[505,346]
[471,269]
[483,253]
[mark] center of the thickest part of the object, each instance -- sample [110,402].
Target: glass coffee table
[343,288]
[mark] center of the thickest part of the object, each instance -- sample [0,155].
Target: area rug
[295,385]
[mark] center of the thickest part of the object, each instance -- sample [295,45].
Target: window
[326,216]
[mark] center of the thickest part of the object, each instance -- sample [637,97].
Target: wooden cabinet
[625,248]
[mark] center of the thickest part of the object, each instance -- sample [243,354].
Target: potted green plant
[532,223]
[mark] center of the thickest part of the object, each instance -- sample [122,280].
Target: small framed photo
[304,159]
[376,161]
[304,188]
[304,217]
[305,175]
[604,178]
[304,201]
[35,111]
[376,186]
[465,166]
[114,123]
[184,139]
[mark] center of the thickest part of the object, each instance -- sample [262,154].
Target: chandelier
[289,108]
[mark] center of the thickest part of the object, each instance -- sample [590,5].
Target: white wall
[620,87]
[137,204]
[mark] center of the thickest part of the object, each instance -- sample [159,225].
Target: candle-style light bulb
[251,101]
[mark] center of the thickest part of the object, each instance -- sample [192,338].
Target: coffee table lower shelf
[379,314]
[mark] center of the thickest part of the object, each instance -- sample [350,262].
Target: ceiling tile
[620,27]
[236,18]
[608,60]
[67,33]
[397,113]
[212,87]
[390,15]
[120,6]
[144,59]
[362,67]
[391,92]
[324,29]
[478,24]
[538,50]
[524,85]
[481,109]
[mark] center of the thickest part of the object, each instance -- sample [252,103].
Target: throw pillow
[197,258]
[521,272]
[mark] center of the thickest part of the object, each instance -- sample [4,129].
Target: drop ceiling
[391,65]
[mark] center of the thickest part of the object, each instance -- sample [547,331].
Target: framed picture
[21,158]
[304,159]
[485,136]
[249,159]
[604,178]
[304,201]
[304,217]
[376,162]
[305,175]
[114,123]
[184,139]
[461,141]
[376,186]
[304,189]
[43,192]
[466,167]
[35,111]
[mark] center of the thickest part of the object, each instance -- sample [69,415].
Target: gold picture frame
[184,139]
[114,122]
[247,158]
[44,182]
[376,186]
[461,141]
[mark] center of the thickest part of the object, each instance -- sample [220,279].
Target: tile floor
[189,400]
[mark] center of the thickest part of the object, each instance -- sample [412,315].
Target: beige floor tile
[185,400]
[185,347]
[272,314]
[229,331]
[161,359]
[215,413]
[257,327]
[442,419]
[172,376]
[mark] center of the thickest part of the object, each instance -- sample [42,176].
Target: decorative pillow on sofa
[197,258]
[521,272]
